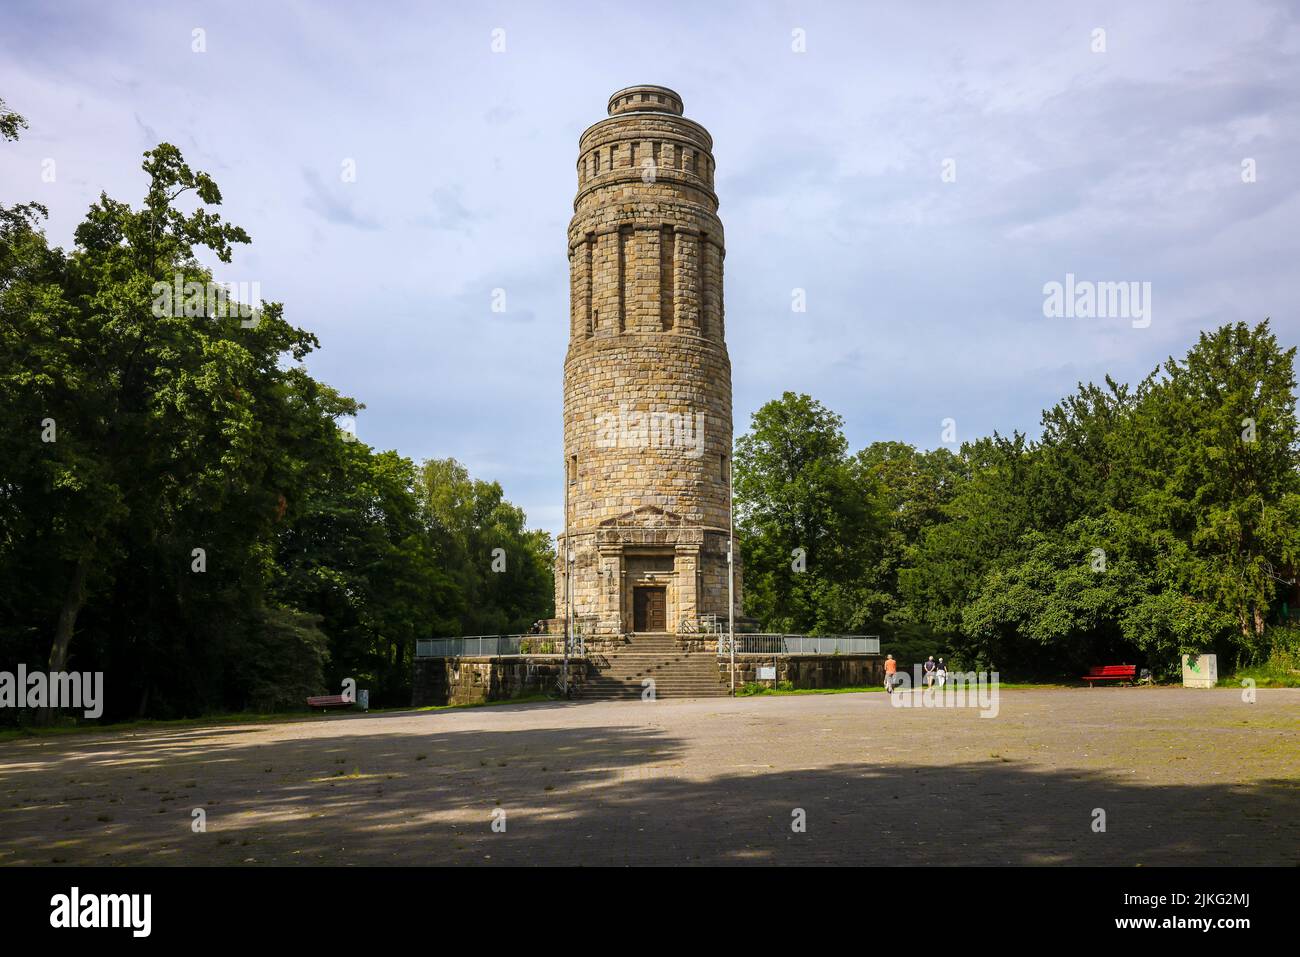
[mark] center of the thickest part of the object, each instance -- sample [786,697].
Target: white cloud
[924,297]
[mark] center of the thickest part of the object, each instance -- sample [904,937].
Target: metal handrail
[703,625]
[774,644]
[495,646]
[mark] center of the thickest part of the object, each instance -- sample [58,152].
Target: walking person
[930,668]
[941,673]
[891,666]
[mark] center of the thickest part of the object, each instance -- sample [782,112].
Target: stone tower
[647,381]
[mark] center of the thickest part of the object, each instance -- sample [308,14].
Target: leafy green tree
[31,293]
[10,122]
[131,392]
[354,551]
[913,486]
[467,520]
[1078,458]
[1215,453]
[1056,608]
[983,519]
[809,521]
[178,507]
[1184,487]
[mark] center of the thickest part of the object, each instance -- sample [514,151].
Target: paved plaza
[1183,777]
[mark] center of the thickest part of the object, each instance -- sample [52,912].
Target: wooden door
[649,609]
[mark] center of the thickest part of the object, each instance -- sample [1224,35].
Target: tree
[1214,453]
[467,520]
[354,551]
[10,122]
[178,506]
[982,521]
[809,520]
[913,487]
[1183,490]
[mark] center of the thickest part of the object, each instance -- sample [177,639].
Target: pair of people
[934,671]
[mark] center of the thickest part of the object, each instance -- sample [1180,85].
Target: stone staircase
[676,673]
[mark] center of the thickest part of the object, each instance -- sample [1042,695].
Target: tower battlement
[645,97]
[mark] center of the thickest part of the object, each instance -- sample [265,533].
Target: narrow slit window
[702,271]
[590,265]
[667,255]
[625,265]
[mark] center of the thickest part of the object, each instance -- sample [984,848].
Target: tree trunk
[73,599]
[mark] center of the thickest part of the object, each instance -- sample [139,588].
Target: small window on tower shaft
[723,468]
[573,469]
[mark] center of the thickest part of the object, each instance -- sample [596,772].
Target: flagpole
[731,577]
[568,584]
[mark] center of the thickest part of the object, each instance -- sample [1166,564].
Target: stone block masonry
[647,510]
[474,680]
[809,671]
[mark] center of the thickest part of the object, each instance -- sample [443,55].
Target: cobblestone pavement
[1184,777]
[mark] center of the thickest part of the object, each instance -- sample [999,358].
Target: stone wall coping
[590,530]
[488,659]
[782,655]
[649,114]
[652,341]
[633,175]
[676,98]
[580,235]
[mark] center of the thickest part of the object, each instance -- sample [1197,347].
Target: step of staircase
[677,673]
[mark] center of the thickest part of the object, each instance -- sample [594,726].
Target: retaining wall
[440,681]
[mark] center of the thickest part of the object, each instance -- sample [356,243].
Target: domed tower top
[645,98]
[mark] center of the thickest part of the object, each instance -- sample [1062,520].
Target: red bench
[324,701]
[1110,673]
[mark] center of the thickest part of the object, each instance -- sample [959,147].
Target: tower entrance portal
[649,606]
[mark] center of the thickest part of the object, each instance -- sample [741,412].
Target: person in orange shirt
[891,666]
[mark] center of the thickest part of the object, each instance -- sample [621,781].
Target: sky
[921,171]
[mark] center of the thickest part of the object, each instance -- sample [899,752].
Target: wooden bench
[1120,673]
[324,701]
